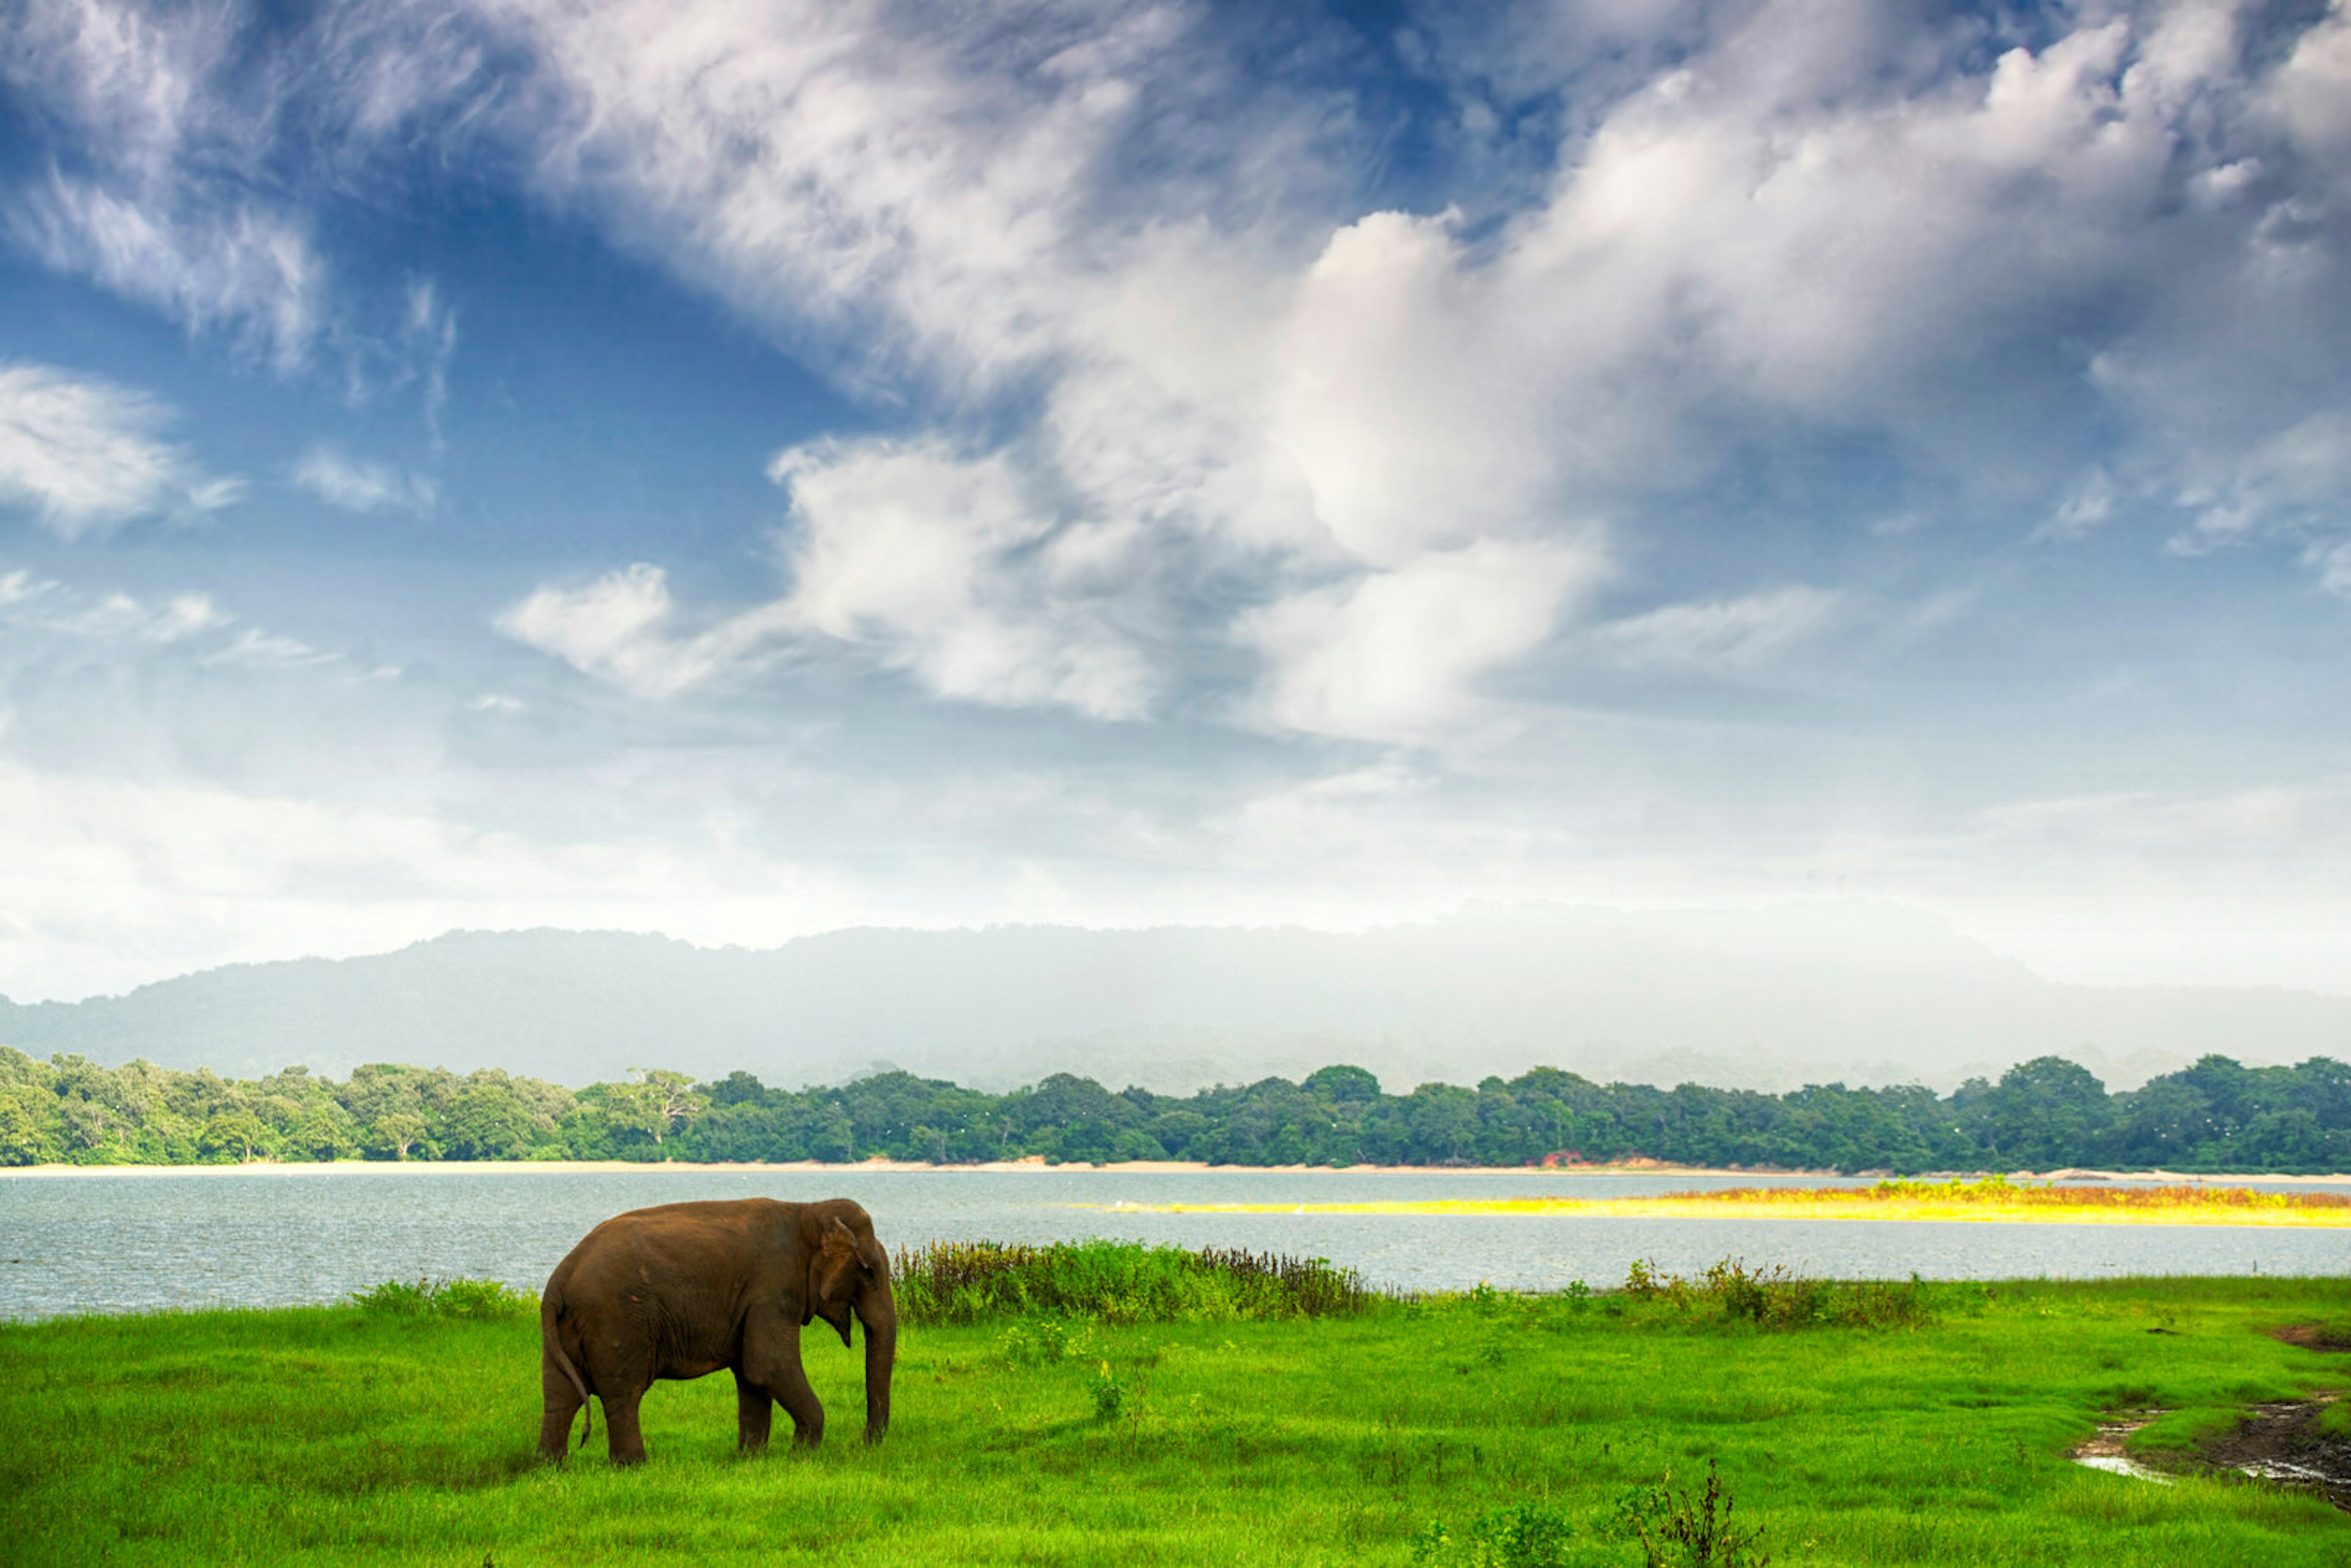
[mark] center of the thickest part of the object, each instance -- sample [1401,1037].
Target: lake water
[146,1240]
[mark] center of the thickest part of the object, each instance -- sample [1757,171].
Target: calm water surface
[141,1241]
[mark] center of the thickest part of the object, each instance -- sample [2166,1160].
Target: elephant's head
[849,1275]
[839,1272]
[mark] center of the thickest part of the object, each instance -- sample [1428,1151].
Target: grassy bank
[1994,1200]
[1914,1426]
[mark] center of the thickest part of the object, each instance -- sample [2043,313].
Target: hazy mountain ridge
[1743,999]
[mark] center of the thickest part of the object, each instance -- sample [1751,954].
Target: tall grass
[1119,1283]
[1772,1296]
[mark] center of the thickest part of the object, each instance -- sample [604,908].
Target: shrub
[1118,1283]
[447,1298]
[1772,1296]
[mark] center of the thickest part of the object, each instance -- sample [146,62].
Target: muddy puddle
[2105,1451]
[2278,1443]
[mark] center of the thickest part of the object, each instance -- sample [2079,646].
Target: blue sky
[741,470]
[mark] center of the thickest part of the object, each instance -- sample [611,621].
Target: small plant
[1673,1526]
[1110,1394]
[1526,1535]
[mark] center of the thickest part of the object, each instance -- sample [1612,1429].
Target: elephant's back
[704,1240]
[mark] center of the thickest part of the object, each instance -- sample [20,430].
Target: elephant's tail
[550,1307]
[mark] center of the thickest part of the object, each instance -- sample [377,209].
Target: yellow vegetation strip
[1970,1201]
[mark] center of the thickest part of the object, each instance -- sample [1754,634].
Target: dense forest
[2042,1114]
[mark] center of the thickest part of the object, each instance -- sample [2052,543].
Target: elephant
[682,1290]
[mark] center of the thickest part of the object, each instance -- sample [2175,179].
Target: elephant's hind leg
[559,1405]
[753,1413]
[625,1441]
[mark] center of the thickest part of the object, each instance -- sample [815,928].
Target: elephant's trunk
[877,1309]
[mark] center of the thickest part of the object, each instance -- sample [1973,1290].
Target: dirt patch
[2312,1336]
[2282,1443]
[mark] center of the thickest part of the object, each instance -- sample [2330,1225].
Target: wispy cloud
[257,649]
[1727,636]
[82,454]
[620,629]
[52,606]
[191,622]
[169,212]
[357,485]
[244,270]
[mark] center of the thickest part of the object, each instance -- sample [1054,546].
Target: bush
[1773,1297]
[1118,1283]
[480,1299]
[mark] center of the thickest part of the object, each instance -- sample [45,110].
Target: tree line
[2040,1115]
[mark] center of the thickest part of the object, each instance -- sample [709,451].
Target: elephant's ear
[834,1257]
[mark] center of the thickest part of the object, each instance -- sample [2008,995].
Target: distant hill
[1761,999]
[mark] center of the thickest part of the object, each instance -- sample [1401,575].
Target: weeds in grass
[1671,1528]
[1771,1296]
[1526,1535]
[459,1298]
[1672,1525]
[1042,1342]
[1119,1283]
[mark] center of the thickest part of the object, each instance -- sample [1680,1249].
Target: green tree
[658,1102]
[26,1110]
[235,1131]
[395,1133]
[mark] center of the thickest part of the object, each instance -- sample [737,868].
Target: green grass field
[338,1435]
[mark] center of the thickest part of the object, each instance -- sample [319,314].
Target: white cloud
[1730,636]
[1397,655]
[80,454]
[361,487]
[1822,219]
[949,572]
[618,629]
[115,882]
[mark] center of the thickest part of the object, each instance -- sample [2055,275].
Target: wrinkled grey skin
[681,1290]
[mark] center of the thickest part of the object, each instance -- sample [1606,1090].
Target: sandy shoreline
[1036,1167]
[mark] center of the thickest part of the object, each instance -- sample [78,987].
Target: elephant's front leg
[754,1412]
[771,1363]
